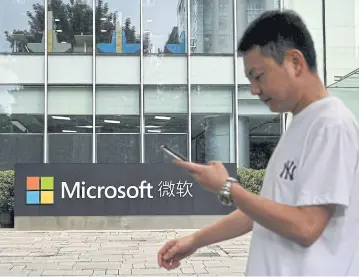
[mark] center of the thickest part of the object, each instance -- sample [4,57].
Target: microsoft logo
[39,190]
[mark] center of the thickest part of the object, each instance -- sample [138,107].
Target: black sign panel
[112,190]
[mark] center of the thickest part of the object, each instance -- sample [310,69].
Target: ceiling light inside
[112,121]
[61,117]
[152,126]
[88,126]
[103,31]
[57,20]
[154,131]
[69,131]
[59,31]
[162,117]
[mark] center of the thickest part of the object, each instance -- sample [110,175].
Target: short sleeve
[328,165]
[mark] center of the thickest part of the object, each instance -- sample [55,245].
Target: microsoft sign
[111,190]
[81,190]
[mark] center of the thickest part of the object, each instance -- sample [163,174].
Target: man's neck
[312,91]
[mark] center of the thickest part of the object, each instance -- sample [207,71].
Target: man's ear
[297,61]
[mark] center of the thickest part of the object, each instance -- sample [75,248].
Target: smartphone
[172,153]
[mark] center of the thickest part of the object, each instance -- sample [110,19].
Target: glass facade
[342,52]
[109,81]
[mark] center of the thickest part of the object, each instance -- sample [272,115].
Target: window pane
[118,26]
[22,26]
[312,15]
[212,124]
[118,121]
[264,134]
[70,124]
[342,34]
[154,154]
[70,26]
[349,95]
[212,26]
[259,130]
[21,125]
[165,26]
[248,10]
[166,121]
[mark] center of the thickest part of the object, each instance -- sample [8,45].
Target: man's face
[274,84]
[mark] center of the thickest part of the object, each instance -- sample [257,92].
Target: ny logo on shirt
[288,170]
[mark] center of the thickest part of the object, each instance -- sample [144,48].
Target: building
[169,75]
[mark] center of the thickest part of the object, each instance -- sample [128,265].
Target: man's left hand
[211,176]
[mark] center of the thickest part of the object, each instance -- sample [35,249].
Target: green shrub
[251,179]
[7,190]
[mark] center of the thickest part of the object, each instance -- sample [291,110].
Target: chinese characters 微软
[171,189]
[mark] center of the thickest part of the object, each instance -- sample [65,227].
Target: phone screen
[172,153]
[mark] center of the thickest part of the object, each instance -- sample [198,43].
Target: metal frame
[94,148]
[189,86]
[283,116]
[45,145]
[235,96]
[142,119]
[324,29]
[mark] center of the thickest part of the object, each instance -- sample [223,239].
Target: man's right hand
[170,255]
[231,226]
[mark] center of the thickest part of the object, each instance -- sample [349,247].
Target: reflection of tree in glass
[147,45]
[260,154]
[36,22]
[74,18]
[6,126]
[173,38]
[201,148]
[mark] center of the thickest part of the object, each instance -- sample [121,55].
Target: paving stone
[152,271]
[125,271]
[187,270]
[6,266]
[97,265]
[15,273]
[99,272]
[112,253]
[119,258]
[49,266]
[16,268]
[139,265]
[200,270]
[112,272]
[36,272]
[67,272]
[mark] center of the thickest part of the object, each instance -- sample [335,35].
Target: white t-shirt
[316,162]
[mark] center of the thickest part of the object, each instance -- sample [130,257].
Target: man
[306,219]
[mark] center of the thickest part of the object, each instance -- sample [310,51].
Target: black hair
[274,32]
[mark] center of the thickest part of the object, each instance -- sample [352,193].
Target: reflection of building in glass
[212,22]
[247,10]
[211,26]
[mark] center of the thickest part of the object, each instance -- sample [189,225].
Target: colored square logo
[32,183]
[32,197]
[47,197]
[40,190]
[47,183]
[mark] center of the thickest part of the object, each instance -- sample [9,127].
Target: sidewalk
[111,253]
